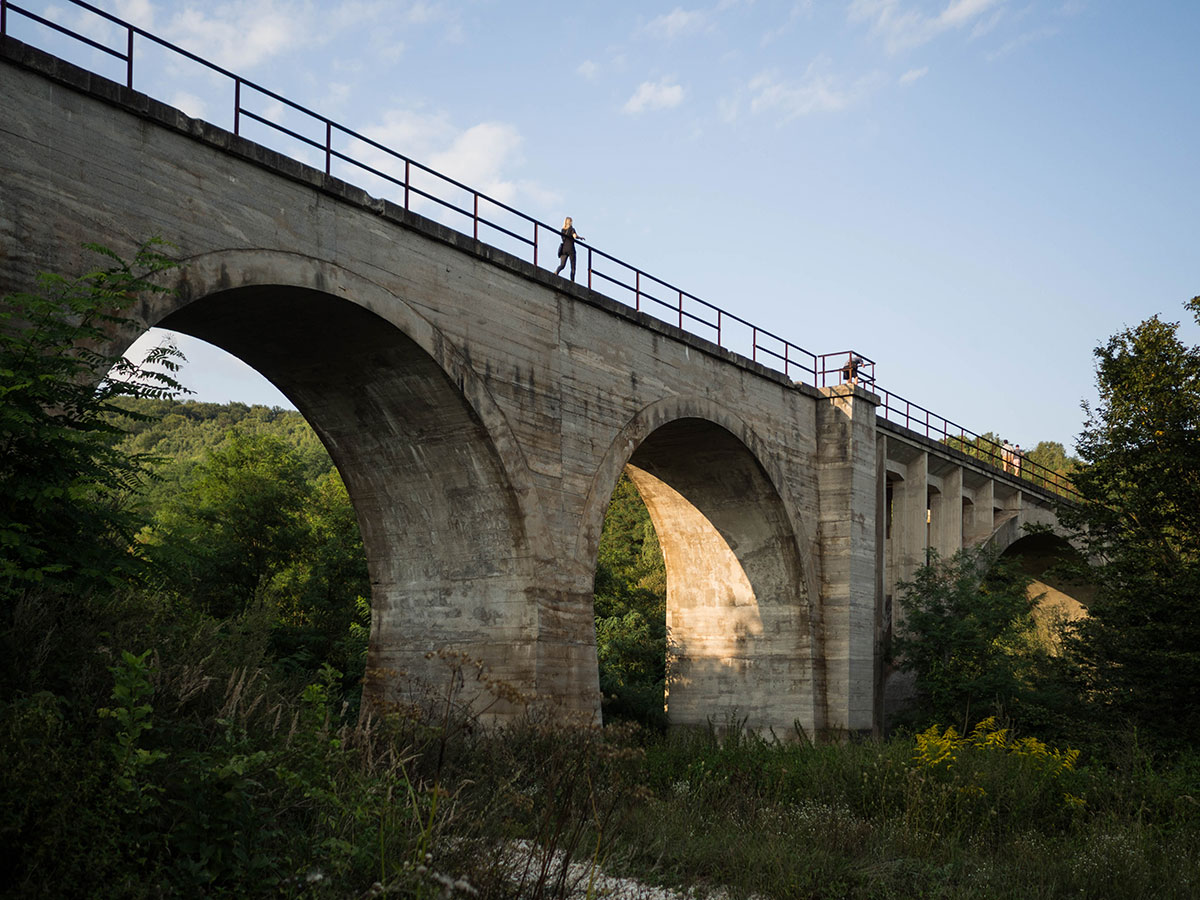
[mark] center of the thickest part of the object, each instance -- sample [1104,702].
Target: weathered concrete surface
[481,411]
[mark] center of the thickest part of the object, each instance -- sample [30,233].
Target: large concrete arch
[743,625]
[1054,565]
[450,520]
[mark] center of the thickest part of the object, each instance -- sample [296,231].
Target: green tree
[986,446]
[235,526]
[318,597]
[631,610]
[63,483]
[967,623]
[1139,520]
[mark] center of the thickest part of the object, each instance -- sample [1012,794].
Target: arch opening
[446,546]
[1053,566]
[739,636]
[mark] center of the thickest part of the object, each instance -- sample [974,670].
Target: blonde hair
[567,222]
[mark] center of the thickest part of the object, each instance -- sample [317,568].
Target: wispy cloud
[654,95]
[242,35]
[800,9]
[914,75]
[479,157]
[487,156]
[902,28]
[588,70]
[677,22]
[190,104]
[817,91]
[1023,40]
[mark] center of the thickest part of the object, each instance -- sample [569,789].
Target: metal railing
[643,291]
[914,417]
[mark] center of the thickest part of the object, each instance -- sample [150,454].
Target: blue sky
[973,193]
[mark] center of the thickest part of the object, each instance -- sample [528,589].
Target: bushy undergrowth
[153,755]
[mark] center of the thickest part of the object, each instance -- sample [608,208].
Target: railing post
[237,105]
[475,217]
[129,61]
[786,347]
[681,310]
[719,344]
[328,147]
[754,343]
[535,244]
[3,16]
[589,268]
[407,170]
[637,289]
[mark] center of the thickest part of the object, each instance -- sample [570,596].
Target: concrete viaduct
[481,409]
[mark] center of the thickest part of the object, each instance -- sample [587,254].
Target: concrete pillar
[979,516]
[848,486]
[910,521]
[883,611]
[946,531]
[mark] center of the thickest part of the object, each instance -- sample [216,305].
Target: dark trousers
[562,261]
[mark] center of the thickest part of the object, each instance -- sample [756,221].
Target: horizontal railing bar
[84,39]
[281,128]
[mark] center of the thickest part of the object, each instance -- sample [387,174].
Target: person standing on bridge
[566,250]
[850,370]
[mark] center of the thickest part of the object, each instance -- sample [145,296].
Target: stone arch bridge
[481,410]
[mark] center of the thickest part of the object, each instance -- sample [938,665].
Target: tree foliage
[63,482]
[631,610]
[1140,522]
[967,620]
[250,514]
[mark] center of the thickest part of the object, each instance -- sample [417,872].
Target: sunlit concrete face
[739,636]
[1057,582]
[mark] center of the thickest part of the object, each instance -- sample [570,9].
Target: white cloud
[675,23]
[588,70]
[478,157]
[485,156]
[914,75]
[190,104]
[902,28]
[816,92]
[654,95]
[140,12]
[983,26]
[241,35]
[800,9]
[1022,40]
[415,134]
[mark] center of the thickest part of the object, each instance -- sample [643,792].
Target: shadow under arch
[451,524]
[1054,565]
[743,629]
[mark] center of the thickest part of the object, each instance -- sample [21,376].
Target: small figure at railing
[850,370]
[566,250]
[1016,460]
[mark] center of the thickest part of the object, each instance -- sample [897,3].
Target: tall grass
[212,775]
